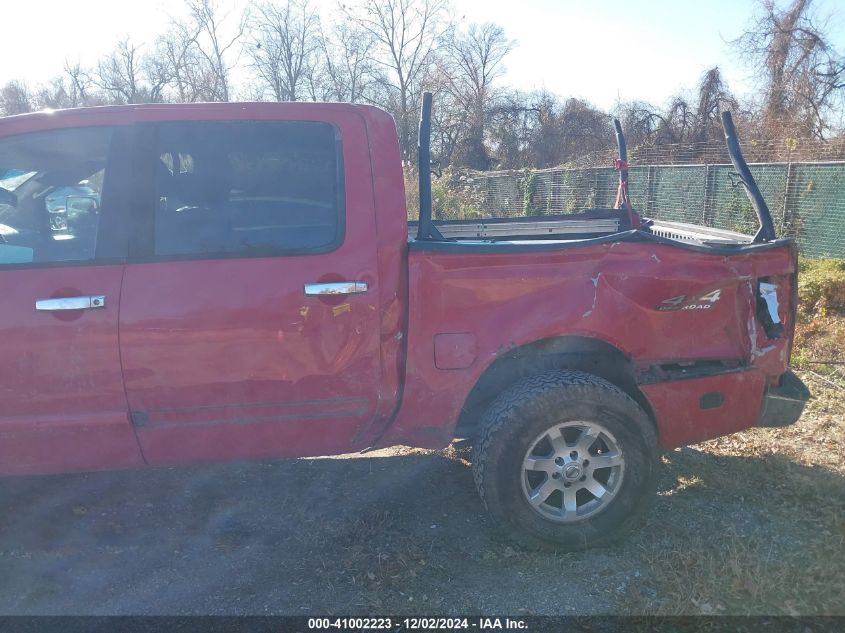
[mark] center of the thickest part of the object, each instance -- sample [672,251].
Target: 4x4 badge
[690,302]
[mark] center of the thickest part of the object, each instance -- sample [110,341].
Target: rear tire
[565,460]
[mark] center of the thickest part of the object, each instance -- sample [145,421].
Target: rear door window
[247,188]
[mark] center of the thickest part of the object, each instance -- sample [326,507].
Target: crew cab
[236,281]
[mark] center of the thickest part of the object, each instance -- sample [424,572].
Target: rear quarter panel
[614,292]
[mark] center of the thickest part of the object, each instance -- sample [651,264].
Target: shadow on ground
[402,534]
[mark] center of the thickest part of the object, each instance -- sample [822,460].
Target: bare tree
[159,75]
[217,47]
[128,76]
[449,124]
[640,120]
[200,52]
[562,131]
[540,130]
[80,86]
[405,32]
[15,98]
[119,74]
[713,97]
[348,62]
[176,57]
[286,44]
[584,129]
[802,74]
[678,122]
[510,126]
[472,62]
[53,95]
[687,123]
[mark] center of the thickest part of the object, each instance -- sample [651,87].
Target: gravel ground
[403,531]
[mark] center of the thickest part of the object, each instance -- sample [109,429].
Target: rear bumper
[784,403]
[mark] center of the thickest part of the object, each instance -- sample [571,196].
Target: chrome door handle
[337,288]
[88,302]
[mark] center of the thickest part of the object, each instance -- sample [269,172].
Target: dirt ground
[752,523]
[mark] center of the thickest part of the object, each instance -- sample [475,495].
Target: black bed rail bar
[623,200]
[425,226]
[766,232]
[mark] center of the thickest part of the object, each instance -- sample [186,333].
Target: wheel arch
[580,353]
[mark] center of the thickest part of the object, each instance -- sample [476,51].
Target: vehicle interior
[236,187]
[50,192]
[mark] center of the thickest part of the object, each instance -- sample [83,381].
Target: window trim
[142,223]
[114,229]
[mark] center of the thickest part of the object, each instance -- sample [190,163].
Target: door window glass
[50,192]
[243,188]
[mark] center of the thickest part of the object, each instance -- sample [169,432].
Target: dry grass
[789,560]
[374,556]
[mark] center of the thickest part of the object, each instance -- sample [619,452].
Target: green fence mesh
[806,199]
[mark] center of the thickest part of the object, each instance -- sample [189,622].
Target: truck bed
[588,224]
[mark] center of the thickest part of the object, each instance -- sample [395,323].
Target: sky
[603,51]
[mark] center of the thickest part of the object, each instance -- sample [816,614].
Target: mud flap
[783,403]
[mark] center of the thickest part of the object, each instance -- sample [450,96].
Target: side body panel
[616,292]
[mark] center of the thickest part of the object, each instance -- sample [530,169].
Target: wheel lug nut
[566,485]
[555,475]
[559,461]
[583,478]
[586,462]
[574,454]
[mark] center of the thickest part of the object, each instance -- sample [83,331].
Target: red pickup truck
[204,282]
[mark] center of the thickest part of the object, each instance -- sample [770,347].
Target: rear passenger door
[248,319]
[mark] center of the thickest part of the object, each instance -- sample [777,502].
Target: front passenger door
[62,224]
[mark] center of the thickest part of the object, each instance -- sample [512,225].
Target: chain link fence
[806,197]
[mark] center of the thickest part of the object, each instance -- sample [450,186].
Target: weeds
[452,196]
[821,287]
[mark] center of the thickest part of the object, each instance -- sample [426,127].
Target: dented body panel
[683,418]
[665,307]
